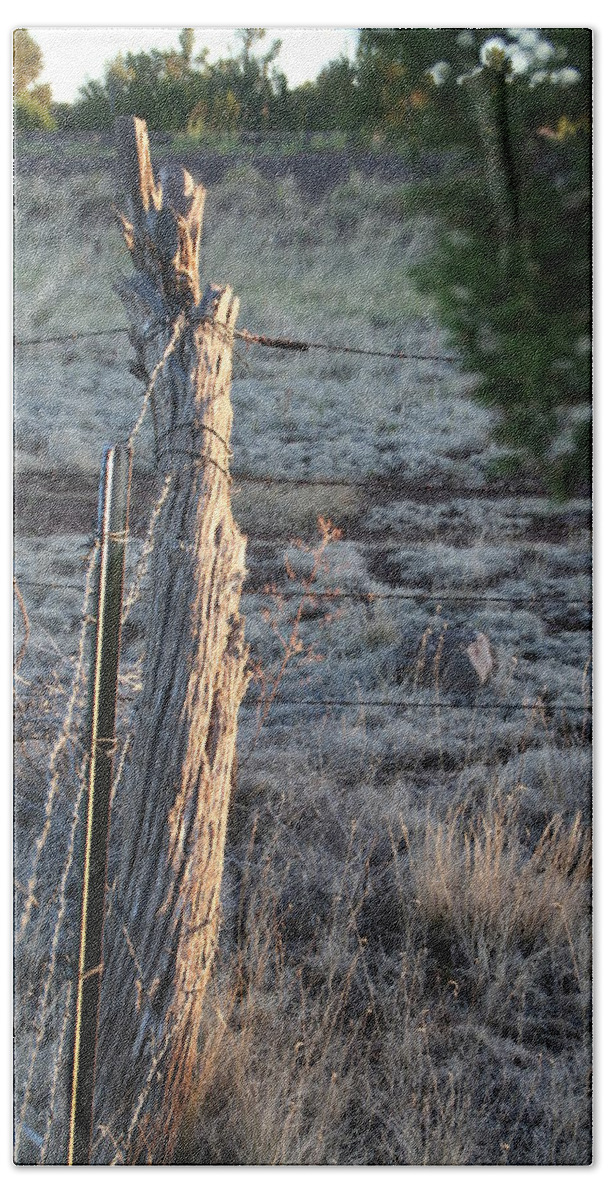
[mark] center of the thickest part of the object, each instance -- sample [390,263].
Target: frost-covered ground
[330,785]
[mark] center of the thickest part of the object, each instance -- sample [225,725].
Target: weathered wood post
[170,811]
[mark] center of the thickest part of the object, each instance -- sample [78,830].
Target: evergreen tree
[511,270]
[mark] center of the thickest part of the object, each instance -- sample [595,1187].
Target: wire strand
[268,591]
[337,702]
[297,345]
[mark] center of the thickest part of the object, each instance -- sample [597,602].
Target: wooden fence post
[103,679]
[170,811]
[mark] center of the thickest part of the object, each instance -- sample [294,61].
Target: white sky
[73,54]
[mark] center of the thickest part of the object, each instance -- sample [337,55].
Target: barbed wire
[176,331]
[537,704]
[63,738]
[75,336]
[277,343]
[391,484]
[529,706]
[269,591]
[45,1000]
[141,568]
[298,345]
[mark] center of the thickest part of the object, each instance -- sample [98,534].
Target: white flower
[538,77]
[565,77]
[491,49]
[543,52]
[527,38]
[520,61]
[439,72]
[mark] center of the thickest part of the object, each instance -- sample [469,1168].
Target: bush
[31,114]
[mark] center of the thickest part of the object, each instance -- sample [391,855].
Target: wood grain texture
[169,817]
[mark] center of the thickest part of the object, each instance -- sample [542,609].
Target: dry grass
[432,1014]
[479,883]
[278,1069]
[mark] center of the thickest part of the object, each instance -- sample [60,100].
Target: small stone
[453,660]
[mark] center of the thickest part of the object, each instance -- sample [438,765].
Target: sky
[73,54]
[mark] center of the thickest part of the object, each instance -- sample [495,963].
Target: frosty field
[404,971]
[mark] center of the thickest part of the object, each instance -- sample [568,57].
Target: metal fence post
[113,531]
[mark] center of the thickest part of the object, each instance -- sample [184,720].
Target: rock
[457,661]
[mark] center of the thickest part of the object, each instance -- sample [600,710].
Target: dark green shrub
[511,279]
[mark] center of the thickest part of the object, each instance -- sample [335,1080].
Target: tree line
[403,84]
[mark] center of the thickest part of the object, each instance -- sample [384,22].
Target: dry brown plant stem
[291,641]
